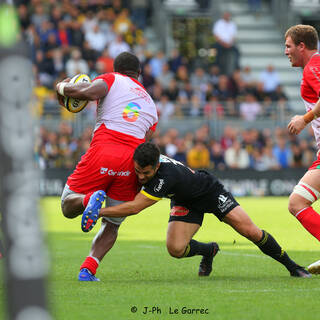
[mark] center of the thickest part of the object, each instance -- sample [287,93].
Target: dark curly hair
[127,63]
[147,154]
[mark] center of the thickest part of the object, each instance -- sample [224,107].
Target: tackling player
[301,47]
[192,194]
[126,115]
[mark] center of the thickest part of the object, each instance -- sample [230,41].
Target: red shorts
[316,164]
[108,166]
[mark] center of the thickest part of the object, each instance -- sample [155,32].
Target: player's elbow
[92,96]
[135,210]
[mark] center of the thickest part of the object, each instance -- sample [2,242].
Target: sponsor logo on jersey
[179,211]
[224,203]
[112,173]
[131,112]
[159,186]
[141,93]
[103,170]
[222,199]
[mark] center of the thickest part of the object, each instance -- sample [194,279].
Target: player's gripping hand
[296,125]
[59,96]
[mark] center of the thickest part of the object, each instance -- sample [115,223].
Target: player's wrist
[309,116]
[60,87]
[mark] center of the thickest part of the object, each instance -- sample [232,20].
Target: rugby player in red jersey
[192,194]
[126,115]
[301,47]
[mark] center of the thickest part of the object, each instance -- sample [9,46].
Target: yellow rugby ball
[76,105]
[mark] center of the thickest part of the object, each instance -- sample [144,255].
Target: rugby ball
[76,105]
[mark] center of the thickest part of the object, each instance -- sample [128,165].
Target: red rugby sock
[91,264]
[87,198]
[310,220]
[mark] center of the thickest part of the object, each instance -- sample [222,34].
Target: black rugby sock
[197,248]
[269,246]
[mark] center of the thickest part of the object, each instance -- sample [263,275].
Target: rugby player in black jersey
[192,194]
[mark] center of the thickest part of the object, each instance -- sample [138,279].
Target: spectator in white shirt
[250,108]
[225,32]
[89,23]
[270,79]
[118,46]
[96,39]
[237,157]
[76,64]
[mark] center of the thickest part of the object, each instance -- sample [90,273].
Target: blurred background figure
[76,64]
[225,32]
[270,79]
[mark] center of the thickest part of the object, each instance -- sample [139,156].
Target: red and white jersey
[310,90]
[127,108]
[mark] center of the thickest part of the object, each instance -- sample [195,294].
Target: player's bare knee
[68,211]
[175,250]
[294,206]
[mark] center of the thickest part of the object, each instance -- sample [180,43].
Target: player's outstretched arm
[128,208]
[84,91]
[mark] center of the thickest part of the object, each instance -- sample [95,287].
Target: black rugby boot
[205,267]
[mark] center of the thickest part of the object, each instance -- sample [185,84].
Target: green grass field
[138,272]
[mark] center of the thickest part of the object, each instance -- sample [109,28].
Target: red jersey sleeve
[153,128]
[312,77]
[108,78]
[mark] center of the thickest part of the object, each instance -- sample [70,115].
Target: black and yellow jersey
[176,181]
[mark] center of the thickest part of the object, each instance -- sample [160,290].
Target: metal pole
[26,261]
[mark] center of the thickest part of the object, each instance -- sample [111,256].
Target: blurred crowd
[235,149]
[70,37]
[75,36]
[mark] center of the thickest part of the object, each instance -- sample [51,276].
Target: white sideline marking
[270,290]
[251,255]
[145,246]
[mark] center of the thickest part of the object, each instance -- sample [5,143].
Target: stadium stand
[191,91]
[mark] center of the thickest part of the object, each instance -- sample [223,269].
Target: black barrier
[260,183]
[239,182]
